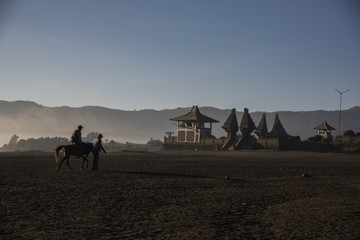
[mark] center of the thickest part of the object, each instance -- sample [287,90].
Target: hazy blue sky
[161,54]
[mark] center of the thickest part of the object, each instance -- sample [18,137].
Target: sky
[163,54]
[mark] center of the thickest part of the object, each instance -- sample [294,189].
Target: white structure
[324,130]
[193,126]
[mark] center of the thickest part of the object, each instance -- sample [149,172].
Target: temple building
[324,130]
[231,128]
[277,138]
[231,124]
[278,130]
[194,133]
[262,130]
[193,126]
[247,126]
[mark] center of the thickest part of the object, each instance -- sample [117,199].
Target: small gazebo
[193,126]
[324,130]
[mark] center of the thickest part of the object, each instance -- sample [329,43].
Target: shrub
[315,139]
[338,139]
[326,141]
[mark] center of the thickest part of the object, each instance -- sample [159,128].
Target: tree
[90,137]
[349,133]
[13,141]
[34,144]
[153,142]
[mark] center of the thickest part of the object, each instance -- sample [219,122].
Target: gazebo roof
[324,126]
[278,130]
[262,130]
[247,122]
[231,124]
[194,115]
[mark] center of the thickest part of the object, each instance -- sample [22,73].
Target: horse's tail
[57,152]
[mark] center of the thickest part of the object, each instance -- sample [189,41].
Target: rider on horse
[76,139]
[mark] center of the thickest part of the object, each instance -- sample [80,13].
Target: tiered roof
[246,122]
[324,126]
[195,116]
[262,130]
[278,129]
[231,124]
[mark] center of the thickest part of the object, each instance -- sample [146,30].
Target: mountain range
[31,120]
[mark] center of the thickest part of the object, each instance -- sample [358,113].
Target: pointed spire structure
[231,124]
[278,129]
[247,125]
[262,130]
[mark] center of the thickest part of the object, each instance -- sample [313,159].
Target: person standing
[97,147]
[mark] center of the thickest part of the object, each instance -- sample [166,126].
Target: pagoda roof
[194,115]
[231,123]
[278,130]
[247,122]
[262,130]
[324,126]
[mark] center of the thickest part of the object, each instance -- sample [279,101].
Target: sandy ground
[218,195]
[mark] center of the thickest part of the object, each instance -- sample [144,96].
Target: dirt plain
[182,195]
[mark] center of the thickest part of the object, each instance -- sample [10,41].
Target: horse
[75,151]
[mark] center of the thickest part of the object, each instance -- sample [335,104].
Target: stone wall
[205,144]
[348,140]
[292,144]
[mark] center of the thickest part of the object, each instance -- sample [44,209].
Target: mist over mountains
[31,120]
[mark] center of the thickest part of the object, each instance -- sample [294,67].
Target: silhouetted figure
[97,147]
[73,150]
[76,139]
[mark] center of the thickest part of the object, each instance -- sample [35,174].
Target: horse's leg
[87,162]
[82,164]
[67,162]
[62,160]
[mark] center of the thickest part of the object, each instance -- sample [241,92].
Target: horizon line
[164,109]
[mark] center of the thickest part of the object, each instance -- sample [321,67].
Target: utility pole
[340,107]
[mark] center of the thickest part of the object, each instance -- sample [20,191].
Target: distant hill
[29,119]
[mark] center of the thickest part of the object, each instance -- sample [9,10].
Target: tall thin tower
[341,93]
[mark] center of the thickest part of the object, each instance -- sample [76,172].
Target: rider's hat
[79,127]
[99,136]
